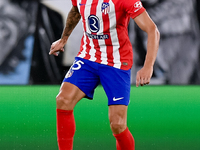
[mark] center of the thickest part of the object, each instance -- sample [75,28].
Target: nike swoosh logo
[81,4]
[117,99]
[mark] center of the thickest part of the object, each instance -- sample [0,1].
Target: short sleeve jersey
[105,38]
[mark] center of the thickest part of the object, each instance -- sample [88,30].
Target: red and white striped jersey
[105,39]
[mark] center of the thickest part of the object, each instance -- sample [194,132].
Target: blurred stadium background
[162,116]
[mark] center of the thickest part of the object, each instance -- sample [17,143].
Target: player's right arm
[72,20]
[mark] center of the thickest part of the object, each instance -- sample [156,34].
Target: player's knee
[64,102]
[117,127]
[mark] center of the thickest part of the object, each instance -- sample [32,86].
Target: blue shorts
[87,75]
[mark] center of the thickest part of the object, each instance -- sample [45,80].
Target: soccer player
[105,57]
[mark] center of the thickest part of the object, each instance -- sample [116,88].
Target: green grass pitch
[159,117]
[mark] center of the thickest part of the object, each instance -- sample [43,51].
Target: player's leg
[116,84]
[118,118]
[80,81]
[66,100]
[68,96]
[118,124]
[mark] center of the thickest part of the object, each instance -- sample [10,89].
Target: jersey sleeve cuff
[138,12]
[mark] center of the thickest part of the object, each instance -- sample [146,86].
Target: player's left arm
[146,24]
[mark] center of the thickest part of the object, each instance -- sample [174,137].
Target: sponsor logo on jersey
[138,6]
[94,26]
[105,8]
[93,23]
[99,37]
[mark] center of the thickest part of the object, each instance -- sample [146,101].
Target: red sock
[65,129]
[125,140]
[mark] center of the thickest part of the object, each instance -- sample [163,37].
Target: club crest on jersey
[105,8]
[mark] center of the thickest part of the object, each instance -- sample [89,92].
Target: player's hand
[56,47]
[143,76]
